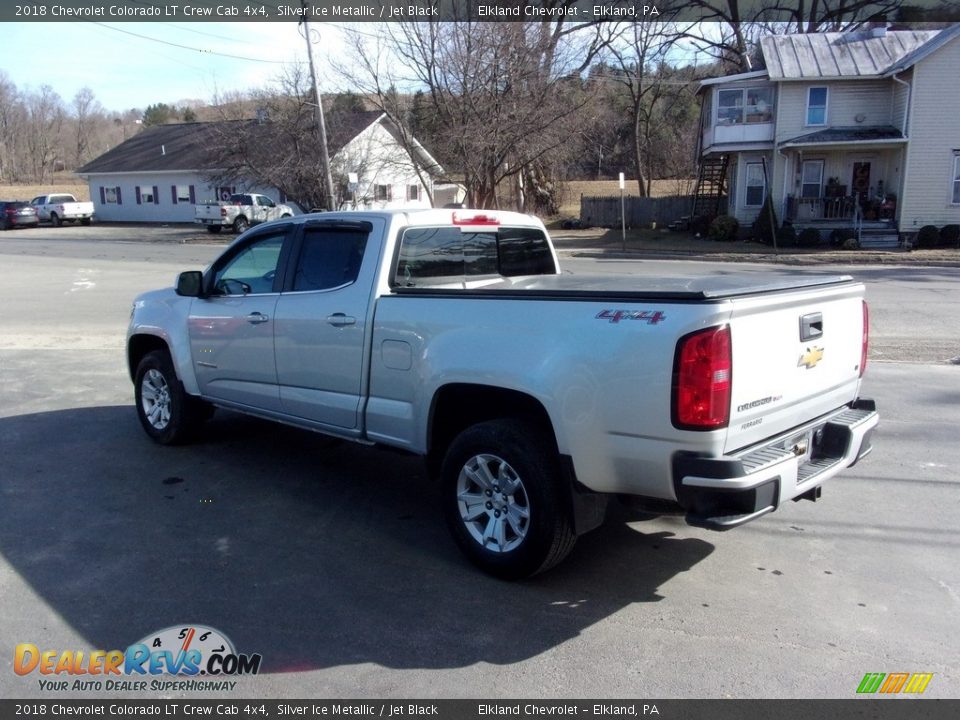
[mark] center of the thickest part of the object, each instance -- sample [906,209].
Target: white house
[850,130]
[161,173]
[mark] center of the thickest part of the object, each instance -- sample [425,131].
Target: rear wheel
[502,499]
[168,414]
[214,229]
[240,224]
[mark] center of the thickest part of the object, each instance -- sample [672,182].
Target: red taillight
[866,338]
[701,380]
[223,212]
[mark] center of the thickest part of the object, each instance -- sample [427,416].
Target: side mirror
[190,283]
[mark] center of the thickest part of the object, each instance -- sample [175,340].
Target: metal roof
[863,54]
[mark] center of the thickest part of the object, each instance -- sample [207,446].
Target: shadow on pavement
[311,552]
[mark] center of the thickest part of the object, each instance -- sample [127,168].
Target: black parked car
[17,214]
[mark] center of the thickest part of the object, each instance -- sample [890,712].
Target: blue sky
[125,71]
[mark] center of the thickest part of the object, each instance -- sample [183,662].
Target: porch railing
[820,208]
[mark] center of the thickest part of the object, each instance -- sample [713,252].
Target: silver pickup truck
[239,212]
[534,396]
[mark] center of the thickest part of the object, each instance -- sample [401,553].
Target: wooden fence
[638,211]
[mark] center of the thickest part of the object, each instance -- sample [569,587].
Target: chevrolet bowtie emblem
[811,357]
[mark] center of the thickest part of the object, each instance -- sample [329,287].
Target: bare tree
[45,114]
[504,98]
[87,114]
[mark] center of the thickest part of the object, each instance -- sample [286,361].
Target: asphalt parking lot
[331,559]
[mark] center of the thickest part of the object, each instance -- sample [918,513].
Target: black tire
[55,220]
[168,414]
[519,464]
[85,221]
[240,224]
[214,228]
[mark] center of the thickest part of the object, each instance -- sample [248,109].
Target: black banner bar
[178,709]
[576,11]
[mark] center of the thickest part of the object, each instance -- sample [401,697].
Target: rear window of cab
[438,255]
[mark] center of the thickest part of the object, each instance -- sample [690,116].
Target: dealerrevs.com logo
[894,683]
[180,650]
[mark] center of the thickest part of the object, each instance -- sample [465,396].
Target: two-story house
[854,130]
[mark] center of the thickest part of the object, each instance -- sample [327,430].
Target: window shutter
[156,195]
[173,194]
[138,194]
[119,197]
[103,196]
[389,192]
[193,196]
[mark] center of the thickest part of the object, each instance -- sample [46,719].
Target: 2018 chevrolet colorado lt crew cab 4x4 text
[534,396]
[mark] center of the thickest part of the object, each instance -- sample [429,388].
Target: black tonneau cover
[626,287]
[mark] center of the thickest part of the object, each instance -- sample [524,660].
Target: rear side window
[445,254]
[329,258]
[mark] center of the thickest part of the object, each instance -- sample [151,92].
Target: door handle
[341,320]
[255,318]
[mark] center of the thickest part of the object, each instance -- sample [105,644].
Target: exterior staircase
[711,186]
[879,236]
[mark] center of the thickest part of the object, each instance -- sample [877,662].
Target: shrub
[928,236]
[724,228]
[787,235]
[839,236]
[700,225]
[766,223]
[809,237]
[950,236]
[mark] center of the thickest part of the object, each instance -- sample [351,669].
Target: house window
[110,196]
[759,107]
[811,179]
[956,180]
[413,192]
[145,195]
[183,194]
[817,106]
[381,192]
[756,187]
[745,105]
[730,107]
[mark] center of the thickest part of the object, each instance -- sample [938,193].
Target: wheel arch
[139,346]
[457,406]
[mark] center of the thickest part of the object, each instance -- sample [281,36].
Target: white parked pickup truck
[534,396]
[240,212]
[60,208]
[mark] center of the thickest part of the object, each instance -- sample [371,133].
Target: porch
[872,223]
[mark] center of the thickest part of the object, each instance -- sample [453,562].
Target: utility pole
[321,125]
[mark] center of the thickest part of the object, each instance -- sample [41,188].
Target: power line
[187,47]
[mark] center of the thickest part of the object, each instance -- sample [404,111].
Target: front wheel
[168,414]
[502,499]
[55,220]
[85,221]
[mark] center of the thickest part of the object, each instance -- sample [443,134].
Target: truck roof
[434,216]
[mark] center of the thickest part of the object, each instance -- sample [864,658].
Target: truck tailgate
[796,356]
